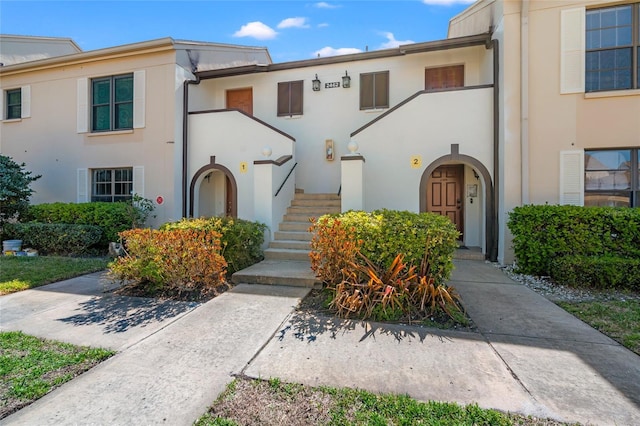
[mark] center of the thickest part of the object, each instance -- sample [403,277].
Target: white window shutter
[572,177]
[572,50]
[83,186]
[25,107]
[138,180]
[83,105]
[138,99]
[4,101]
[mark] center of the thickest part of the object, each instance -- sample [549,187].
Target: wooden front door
[241,99]
[444,77]
[228,196]
[444,194]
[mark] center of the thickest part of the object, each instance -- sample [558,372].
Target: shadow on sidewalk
[118,314]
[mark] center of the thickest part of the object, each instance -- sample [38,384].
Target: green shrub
[602,272]
[241,240]
[55,238]
[15,188]
[112,218]
[380,236]
[178,261]
[544,233]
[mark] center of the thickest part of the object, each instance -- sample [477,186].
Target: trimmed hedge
[544,233]
[55,238]
[112,218]
[598,272]
[383,234]
[241,240]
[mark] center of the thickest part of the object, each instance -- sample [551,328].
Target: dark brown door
[444,77]
[241,99]
[444,195]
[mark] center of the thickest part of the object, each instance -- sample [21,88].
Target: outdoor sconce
[315,84]
[346,80]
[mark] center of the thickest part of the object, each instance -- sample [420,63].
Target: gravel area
[562,293]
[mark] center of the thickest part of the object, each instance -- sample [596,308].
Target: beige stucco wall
[334,113]
[49,144]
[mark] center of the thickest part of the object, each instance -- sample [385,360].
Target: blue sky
[291,30]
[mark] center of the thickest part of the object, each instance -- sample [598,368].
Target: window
[14,104]
[112,184]
[374,90]
[290,98]
[613,48]
[112,103]
[443,78]
[612,178]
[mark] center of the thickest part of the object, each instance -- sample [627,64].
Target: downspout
[493,232]
[185,136]
[524,101]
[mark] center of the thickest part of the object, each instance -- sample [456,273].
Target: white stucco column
[352,195]
[263,186]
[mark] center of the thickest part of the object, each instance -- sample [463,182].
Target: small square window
[112,185]
[290,98]
[374,90]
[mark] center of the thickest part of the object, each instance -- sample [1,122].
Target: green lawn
[22,272]
[31,367]
[619,320]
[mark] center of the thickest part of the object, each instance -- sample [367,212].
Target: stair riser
[316,203]
[298,236]
[288,281]
[291,245]
[294,226]
[303,196]
[313,211]
[286,255]
[300,218]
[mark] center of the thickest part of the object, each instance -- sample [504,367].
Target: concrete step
[313,202]
[469,253]
[278,272]
[300,218]
[315,211]
[304,196]
[290,245]
[286,254]
[294,226]
[291,235]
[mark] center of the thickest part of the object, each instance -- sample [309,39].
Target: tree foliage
[15,188]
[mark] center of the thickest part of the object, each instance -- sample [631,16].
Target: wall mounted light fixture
[315,84]
[346,80]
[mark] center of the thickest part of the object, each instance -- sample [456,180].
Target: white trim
[139,90]
[572,50]
[82,186]
[83,105]
[572,177]
[25,102]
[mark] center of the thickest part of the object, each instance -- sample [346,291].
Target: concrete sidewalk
[529,356]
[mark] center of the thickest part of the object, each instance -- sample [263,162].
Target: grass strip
[19,273]
[31,367]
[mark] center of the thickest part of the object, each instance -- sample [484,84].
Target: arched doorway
[460,187]
[213,192]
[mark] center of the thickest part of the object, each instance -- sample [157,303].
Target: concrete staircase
[287,257]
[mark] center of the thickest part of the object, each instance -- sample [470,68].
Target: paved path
[529,356]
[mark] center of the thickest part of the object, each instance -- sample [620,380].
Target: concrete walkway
[529,356]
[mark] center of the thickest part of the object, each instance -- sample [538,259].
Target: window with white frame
[612,58]
[374,90]
[612,177]
[112,103]
[112,185]
[13,104]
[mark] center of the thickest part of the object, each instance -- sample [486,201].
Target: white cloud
[323,25]
[392,42]
[294,23]
[256,30]
[325,5]
[446,2]
[330,51]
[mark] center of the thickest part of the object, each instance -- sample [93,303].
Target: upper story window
[290,98]
[374,90]
[112,184]
[13,104]
[112,103]
[613,48]
[612,178]
[443,78]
